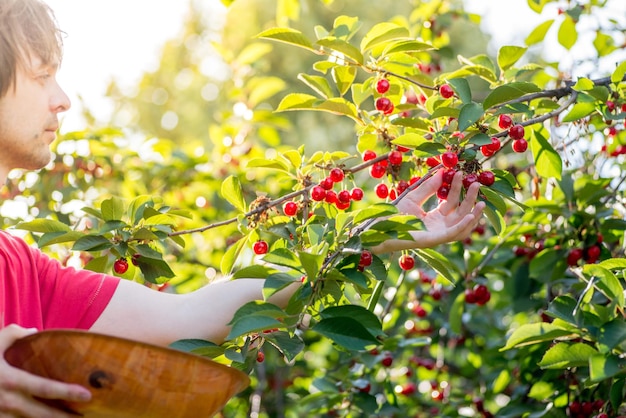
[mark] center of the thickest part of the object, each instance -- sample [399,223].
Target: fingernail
[84,396]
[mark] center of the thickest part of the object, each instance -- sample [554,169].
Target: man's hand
[451,220]
[18,388]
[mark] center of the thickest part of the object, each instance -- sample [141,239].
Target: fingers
[18,388]
[13,332]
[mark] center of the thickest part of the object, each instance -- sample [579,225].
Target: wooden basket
[128,378]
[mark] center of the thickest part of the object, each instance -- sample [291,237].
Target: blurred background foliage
[207,111]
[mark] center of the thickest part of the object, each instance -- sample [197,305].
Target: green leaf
[262,88]
[112,209]
[346,332]
[608,283]
[579,111]
[407,46]
[618,75]
[343,47]
[381,33]
[539,33]
[50,238]
[438,262]
[274,164]
[374,211]
[604,44]
[602,367]
[422,146]
[312,263]
[250,324]
[456,313]
[462,88]
[98,264]
[230,256]
[583,84]
[366,318]
[197,346]
[547,161]
[495,218]
[289,346]
[567,34]
[153,269]
[318,83]
[470,113]
[611,334]
[508,92]
[92,243]
[509,55]
[297,101]
[232,192]
[343,77]
[276,282]
[289,36]
[43,225]
[339,106]
[253,272]
[534,333]
[283,257]
[565,355]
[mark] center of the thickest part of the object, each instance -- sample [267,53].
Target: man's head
[27,27]
[30,97]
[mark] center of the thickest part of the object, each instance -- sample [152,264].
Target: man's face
[29,117]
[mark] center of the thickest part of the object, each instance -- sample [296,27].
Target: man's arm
[17,387]
[140,313]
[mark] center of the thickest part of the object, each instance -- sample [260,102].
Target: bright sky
[122,38]
[108,39]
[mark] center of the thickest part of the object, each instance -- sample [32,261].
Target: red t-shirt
[36,291]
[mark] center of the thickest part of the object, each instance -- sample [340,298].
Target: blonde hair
[27,27]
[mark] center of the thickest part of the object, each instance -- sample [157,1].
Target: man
[37,293]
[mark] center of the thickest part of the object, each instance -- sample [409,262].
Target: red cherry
[610,105]
[449,159]
[442,192]
[327,183]
[377,171]
[470,296]
[432,162]
[408,388]
[366,258]
[469,179]
[448,176]
[343,196]
[290,208]
[260,247]
[135,258]
[260,357]
[336,175]
[318,193]
[382,86]
[356,194]
[592,254]
[387,360]
[369,155]
[382,190]
[331,197]
[520,145]
[574,256]
[495,144]
[516,131]
[406,262]
[446,91]
[342,205]
[395,158]
[384,105]
[402,186]
[505,121]
[486,178]
[120,266]
[487,151]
